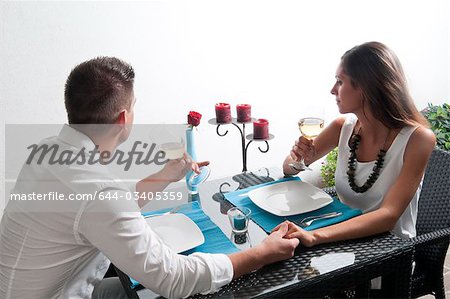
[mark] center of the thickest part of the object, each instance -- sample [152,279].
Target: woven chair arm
[431,237]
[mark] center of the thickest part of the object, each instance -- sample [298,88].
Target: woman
[383,148]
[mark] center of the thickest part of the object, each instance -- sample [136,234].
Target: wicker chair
[433,228]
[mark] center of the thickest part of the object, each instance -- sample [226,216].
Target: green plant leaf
[328,169]
[439,119]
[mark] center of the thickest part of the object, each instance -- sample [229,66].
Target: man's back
[39,259]
[42,254]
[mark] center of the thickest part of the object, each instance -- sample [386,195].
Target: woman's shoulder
[421,142]
[425,135]
[343,123]
[342,120]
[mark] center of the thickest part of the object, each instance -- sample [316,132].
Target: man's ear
[122,119]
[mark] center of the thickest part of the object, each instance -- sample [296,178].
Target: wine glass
[174,150]
[309,127]
[196,179]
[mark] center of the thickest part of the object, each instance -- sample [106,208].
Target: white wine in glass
[310,127]
[173,150]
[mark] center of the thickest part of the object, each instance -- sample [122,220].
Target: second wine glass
[309,127]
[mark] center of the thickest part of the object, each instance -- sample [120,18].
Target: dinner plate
[289,198]
[177,231]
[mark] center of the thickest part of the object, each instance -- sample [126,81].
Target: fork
[305,222]
[171,211]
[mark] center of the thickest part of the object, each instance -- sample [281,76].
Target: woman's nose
[333,90]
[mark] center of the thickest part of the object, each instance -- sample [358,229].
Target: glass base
[299,166]
[241,240]
[197,179]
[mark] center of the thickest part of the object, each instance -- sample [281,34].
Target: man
[64,249]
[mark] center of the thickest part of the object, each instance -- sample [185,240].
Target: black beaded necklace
[354,143]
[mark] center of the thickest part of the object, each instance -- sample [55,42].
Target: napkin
[215,239]
[268,221]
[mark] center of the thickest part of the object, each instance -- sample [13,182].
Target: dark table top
[336,265]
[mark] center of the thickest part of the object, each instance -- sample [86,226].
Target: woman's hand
[303,147]
[306,238]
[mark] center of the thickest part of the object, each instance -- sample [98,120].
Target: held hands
[277,247]
[303,148]
[175,170]
[293,231]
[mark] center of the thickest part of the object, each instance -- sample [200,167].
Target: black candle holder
[249,137]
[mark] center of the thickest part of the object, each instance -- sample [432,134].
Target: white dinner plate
[289,198]
[177,231]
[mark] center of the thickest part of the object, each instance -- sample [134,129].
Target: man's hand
[274,248]
[175,170]
[277,247]
[306,238]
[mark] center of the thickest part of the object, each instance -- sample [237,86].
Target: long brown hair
[376,70]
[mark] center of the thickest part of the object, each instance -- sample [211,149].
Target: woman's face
[348,98]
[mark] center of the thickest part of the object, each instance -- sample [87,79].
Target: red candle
[244,113]
[261,129]
[223,113]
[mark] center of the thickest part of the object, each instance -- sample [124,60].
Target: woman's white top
[372,198]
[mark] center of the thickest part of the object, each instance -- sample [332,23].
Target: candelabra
[246,140]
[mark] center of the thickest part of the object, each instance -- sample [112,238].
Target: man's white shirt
[62,249]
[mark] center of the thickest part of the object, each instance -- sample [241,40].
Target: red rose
[194,118]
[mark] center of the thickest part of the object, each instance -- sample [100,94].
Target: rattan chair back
[433,227]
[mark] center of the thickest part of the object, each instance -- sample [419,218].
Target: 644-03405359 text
[103,195]
[161,195]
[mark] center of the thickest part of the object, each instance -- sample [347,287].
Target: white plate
[289,198]
[178,231]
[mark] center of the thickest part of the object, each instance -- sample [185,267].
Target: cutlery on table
[172,211]
[305,222]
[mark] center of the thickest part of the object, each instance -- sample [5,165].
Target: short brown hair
[377,71]
[97,90]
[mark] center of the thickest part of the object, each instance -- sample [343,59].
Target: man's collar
[75,138]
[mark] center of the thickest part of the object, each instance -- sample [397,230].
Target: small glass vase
[190,148]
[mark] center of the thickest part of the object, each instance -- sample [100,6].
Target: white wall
[279,56]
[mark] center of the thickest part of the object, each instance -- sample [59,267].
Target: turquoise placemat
[215,240]
[268,221]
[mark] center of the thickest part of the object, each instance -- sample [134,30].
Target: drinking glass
[173,150]
[309,127]
[196,179]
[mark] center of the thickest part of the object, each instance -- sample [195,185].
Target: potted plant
[439,119]
[329,168]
